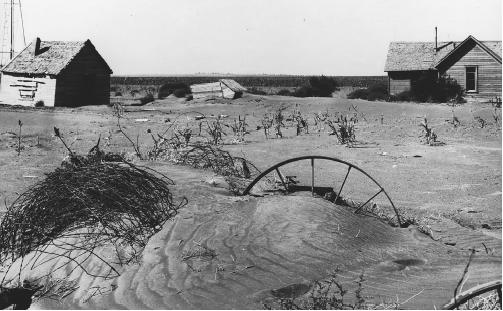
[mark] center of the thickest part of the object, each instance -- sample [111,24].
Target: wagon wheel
[474,292]
[289,185]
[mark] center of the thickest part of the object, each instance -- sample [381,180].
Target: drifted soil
[266,243]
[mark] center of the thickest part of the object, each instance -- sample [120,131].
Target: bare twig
[463,277]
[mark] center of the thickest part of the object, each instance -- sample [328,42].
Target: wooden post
[11,29]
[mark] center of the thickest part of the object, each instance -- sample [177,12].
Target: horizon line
[240,74]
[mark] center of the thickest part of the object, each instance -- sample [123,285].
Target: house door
[471,79]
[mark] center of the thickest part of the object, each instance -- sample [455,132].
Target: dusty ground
[455,189]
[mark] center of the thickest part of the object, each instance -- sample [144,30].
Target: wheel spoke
[287,187]
[281,178]
[499,295]
[361,206]
[340,190]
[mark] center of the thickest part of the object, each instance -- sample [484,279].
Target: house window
[471,79]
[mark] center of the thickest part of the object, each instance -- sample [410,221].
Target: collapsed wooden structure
[224,88]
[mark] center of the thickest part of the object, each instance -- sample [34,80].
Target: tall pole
[11,29]
[436,40]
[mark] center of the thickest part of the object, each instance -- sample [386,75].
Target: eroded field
[270,242]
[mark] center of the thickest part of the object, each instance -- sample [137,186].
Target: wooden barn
[56,73]
[474,64]
[224,88]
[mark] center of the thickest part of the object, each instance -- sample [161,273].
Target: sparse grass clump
[216,132]
[428,136]
[239,129]
[344,128]
[278,122]
[267,123]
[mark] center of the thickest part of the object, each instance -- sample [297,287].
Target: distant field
[128,83]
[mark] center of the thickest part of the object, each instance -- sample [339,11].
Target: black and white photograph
[250,154]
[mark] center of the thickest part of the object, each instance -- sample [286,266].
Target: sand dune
[224,252]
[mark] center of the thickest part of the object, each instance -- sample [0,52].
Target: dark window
[471,78]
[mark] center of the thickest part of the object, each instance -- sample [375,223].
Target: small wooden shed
[474,64]
[56,73]
[224,88]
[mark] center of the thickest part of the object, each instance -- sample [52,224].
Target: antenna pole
[436,40]
[11,29]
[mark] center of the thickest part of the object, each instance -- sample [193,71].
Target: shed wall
[399,85]
[401,81]
[86,81]
[207,95]
[27,91]
[206,90]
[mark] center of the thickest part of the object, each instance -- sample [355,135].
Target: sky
[306,37]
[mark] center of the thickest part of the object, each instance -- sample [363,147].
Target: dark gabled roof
[51,59]
[411,56]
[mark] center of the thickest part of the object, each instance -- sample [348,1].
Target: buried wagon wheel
[290,184]
[477,291]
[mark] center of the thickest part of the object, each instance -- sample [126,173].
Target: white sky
[337,37]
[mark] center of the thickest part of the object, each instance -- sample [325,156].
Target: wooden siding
[488,71]
[207,90]
[399,85]
[86,81]
[207,95]
[27,91]
[401,81]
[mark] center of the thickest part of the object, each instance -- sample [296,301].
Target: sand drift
[228,252]
[262,245]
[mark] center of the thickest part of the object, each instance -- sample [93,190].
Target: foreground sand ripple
[264,244]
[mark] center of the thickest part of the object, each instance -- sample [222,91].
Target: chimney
[35,46]
[436,41]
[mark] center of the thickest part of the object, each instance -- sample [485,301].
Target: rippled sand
[273,246]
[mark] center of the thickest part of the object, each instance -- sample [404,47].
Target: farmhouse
[56,73]
[224,88]
[474,64]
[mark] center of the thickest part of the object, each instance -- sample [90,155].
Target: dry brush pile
[84,209]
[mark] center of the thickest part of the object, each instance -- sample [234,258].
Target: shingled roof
[410,56]
[51,57]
